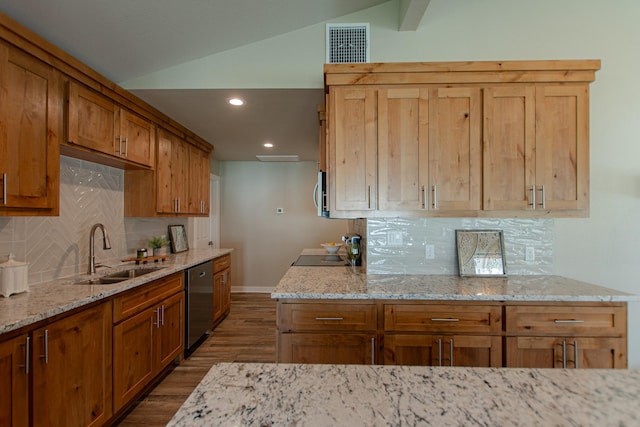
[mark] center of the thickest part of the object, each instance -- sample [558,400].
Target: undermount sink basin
[120,276]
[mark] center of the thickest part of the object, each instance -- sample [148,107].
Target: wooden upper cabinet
[199,169]
[403,148]
[138,138]
[352,149]
[30,128]
[95,122]
[455,149]
[172,174]
[536,147]
[562,147]
[509,147]
[492,139]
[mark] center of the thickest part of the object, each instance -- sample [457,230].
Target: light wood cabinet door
[14,382]
[455,149]
[72,369]
[170,333]
[442,350]
[138,139]
[562,147]
[352,149]
[509,148]
[198,181]
[566,352]
[403,144]
[172,174]
[30,128]
[327,348]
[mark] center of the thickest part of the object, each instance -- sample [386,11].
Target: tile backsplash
[397,245]
[58,247]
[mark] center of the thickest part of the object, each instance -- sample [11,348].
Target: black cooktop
[321,261]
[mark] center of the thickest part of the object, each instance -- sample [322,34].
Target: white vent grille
[347,43]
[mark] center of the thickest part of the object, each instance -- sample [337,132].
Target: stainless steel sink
[119,276]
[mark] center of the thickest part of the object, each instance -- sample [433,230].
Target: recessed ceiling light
[267,145]
[235,101]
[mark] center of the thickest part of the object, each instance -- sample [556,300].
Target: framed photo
[481,253]
[178,238]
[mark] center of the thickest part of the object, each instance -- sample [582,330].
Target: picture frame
[178,238]
[481,253]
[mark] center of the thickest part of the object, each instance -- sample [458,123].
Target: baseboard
[251,289]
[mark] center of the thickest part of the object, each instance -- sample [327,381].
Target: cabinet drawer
[221,263]
[442,318]
[140,298]
[327,317]
[566,320]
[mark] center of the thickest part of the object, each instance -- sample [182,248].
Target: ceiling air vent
[347,43]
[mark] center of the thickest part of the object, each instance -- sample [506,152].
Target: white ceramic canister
[13,277]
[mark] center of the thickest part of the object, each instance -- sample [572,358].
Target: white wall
[600,249]
[265,243]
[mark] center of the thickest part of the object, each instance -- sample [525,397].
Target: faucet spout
[106,244]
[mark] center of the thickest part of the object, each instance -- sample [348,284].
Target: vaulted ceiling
[125,39]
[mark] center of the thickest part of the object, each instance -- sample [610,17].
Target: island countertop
[44,300]
[349,283]
[372,395]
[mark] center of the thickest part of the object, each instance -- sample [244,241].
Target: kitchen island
[356,395]
[342,315]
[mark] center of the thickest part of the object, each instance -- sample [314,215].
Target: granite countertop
[350,283]
[364,395]
[48,299]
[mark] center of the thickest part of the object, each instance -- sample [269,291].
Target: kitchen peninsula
[344,315]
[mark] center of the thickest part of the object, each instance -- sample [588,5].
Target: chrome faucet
[105,245]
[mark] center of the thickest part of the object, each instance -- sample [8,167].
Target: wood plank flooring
[248,334]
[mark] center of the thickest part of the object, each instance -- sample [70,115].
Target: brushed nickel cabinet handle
[157,322]
[45,338]
[126,147]
[27,355]
[330,318]
[373,352]
[444,319]
[369,190]
[564,354]
[451,352]
[543,194]
[533,197]
[424,197]
[162,314]
[4,188]
[568,321]
[435,196]
[575,354]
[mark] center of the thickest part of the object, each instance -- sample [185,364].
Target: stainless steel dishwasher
[198,303]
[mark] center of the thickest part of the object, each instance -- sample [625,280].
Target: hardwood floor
[248,334]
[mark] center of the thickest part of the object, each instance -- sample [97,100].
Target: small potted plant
[159,245]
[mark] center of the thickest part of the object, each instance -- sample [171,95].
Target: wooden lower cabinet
[442,334]
[14,382]
[148,339]
[442,350]
[579,335]
[566,352]
[71,370]
[221,287]
[327,332]
[453,333]
[327,348]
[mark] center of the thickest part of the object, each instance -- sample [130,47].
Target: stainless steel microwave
[320,195]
